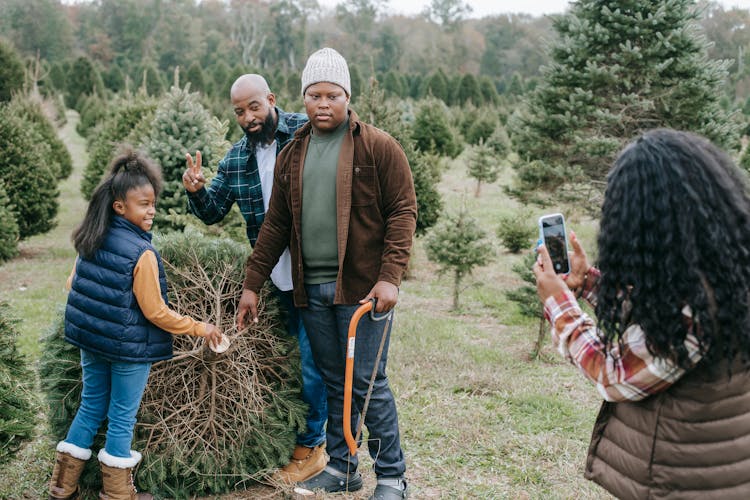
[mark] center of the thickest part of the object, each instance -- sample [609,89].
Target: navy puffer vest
[102,315]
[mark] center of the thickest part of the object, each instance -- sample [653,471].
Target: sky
[483,8]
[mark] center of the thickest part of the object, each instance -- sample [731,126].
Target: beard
[265,134]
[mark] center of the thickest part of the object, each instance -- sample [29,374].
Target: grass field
[477,418]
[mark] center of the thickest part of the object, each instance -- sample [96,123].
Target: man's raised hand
[193,179]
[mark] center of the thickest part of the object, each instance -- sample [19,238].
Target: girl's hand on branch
[213,335]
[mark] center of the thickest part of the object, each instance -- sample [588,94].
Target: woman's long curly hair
[675,231]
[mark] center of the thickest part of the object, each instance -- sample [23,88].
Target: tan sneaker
[304,464]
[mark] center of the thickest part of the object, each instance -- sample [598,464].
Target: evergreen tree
[621,68]
[276,80]
[393,85]
[220,73]
[483,165]
[83,79]
[194,75]
[745,160]
[481,127]
[499,142]
[150,80]
[528,300]
[8,228]
[488,90]
[92,110]
[436,85]
[424,166]
[468,91]
[114,78]
[30,181]
[515,232]
[389,50]
[30,111]
[181,124]
[56,77]
[458,245]
[11,72]
[355,80]
[125,122]
[432,131]
[415,85]
[454,84]
[426,172]
[501,85]
[515,88]
[294,86]
[17,412]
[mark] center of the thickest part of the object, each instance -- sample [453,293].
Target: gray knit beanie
[326,65]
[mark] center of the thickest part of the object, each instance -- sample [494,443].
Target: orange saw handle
[349,375]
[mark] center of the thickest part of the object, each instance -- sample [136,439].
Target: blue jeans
[112,390]
[327,327]
[313,388]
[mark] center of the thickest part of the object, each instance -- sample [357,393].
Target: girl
[117,314]
[670,353]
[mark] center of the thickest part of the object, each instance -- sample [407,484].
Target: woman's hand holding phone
[579,264]
[548,282]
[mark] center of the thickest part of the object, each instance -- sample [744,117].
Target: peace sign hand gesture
[193,179]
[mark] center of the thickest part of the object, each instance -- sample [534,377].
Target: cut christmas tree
[209,423]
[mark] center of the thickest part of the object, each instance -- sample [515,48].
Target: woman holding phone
[670,349]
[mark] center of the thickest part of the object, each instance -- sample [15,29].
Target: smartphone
[553,234]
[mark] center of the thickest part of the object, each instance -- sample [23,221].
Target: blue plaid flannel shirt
[237,180]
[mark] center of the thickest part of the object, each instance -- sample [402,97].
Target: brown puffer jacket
[690,442]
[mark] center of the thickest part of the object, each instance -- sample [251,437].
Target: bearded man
[245,177]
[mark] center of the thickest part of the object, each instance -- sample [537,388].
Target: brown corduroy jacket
[690,442]
[376,210]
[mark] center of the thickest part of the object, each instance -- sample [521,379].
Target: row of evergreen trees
[33,159]
[80,77]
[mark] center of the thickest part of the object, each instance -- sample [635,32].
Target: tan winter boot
[69,464]
[117,477]
[304,464]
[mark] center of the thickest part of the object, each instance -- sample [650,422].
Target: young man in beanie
[245,177]
[343,201]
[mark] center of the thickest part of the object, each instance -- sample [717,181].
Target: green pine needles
[620,68]
[458,245]
[483,166]
[28,175]
[125,118]
[181,124]
[17,402]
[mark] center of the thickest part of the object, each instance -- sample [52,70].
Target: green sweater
[319,244]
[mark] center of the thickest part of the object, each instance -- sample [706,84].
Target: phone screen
[553,233]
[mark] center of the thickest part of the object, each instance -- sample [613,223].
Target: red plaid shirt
[624,372]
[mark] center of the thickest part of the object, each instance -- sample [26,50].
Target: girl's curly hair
[675,231]
[128,170]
